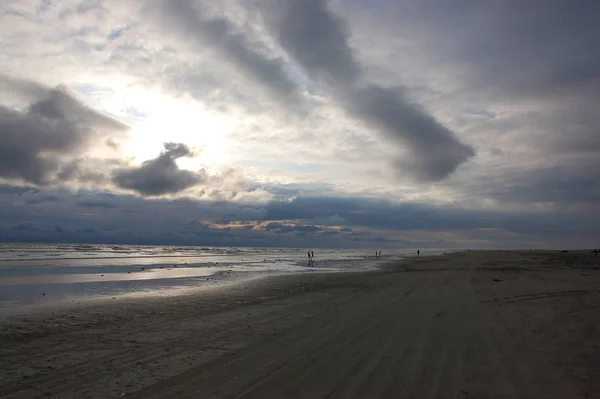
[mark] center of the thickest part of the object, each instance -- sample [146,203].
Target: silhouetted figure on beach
[309,258]
[312,255]
[418,253]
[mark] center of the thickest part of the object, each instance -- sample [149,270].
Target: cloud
[36,141]
[435,151]
[27,216]
[161,175]
[535,63]
[249,57]
[58,141]
[96,204]
[318,41]
[575,185]
[291,227]
[88,171]
[531,49]
[20,91]
[428,80]
[534,67]
[274,226]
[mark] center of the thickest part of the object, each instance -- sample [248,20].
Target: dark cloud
[34,142]
[61,104]
[279,223]
[248,57]
[436,153]
[88,170]
[316,38]
[370,213]
[17,191]
[40,199]
[96,204]
[27,227]
[161,175]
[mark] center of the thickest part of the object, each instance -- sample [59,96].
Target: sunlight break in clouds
[181,120]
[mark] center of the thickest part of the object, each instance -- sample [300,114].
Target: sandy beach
[463,325]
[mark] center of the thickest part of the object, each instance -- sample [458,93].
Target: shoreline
[272,334]
[138,301]
[32,284]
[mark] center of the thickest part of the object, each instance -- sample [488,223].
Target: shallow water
[44,273]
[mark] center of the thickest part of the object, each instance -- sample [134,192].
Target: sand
[465,325]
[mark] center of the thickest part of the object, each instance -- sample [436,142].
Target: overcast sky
[313,123]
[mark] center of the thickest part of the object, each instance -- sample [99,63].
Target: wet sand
[465,325]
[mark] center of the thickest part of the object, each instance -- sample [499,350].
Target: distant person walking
[309,258]
[418,253]
[312,255]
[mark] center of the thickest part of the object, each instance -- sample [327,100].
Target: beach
[480,324]
[38,275]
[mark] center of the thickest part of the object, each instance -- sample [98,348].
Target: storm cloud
[29,214]
[161,175]
[317,39]
[36,141]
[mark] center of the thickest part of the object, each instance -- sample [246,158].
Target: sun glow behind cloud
[180,120]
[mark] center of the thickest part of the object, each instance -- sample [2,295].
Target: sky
[314,123]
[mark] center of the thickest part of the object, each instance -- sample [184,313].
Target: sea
[33,274]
